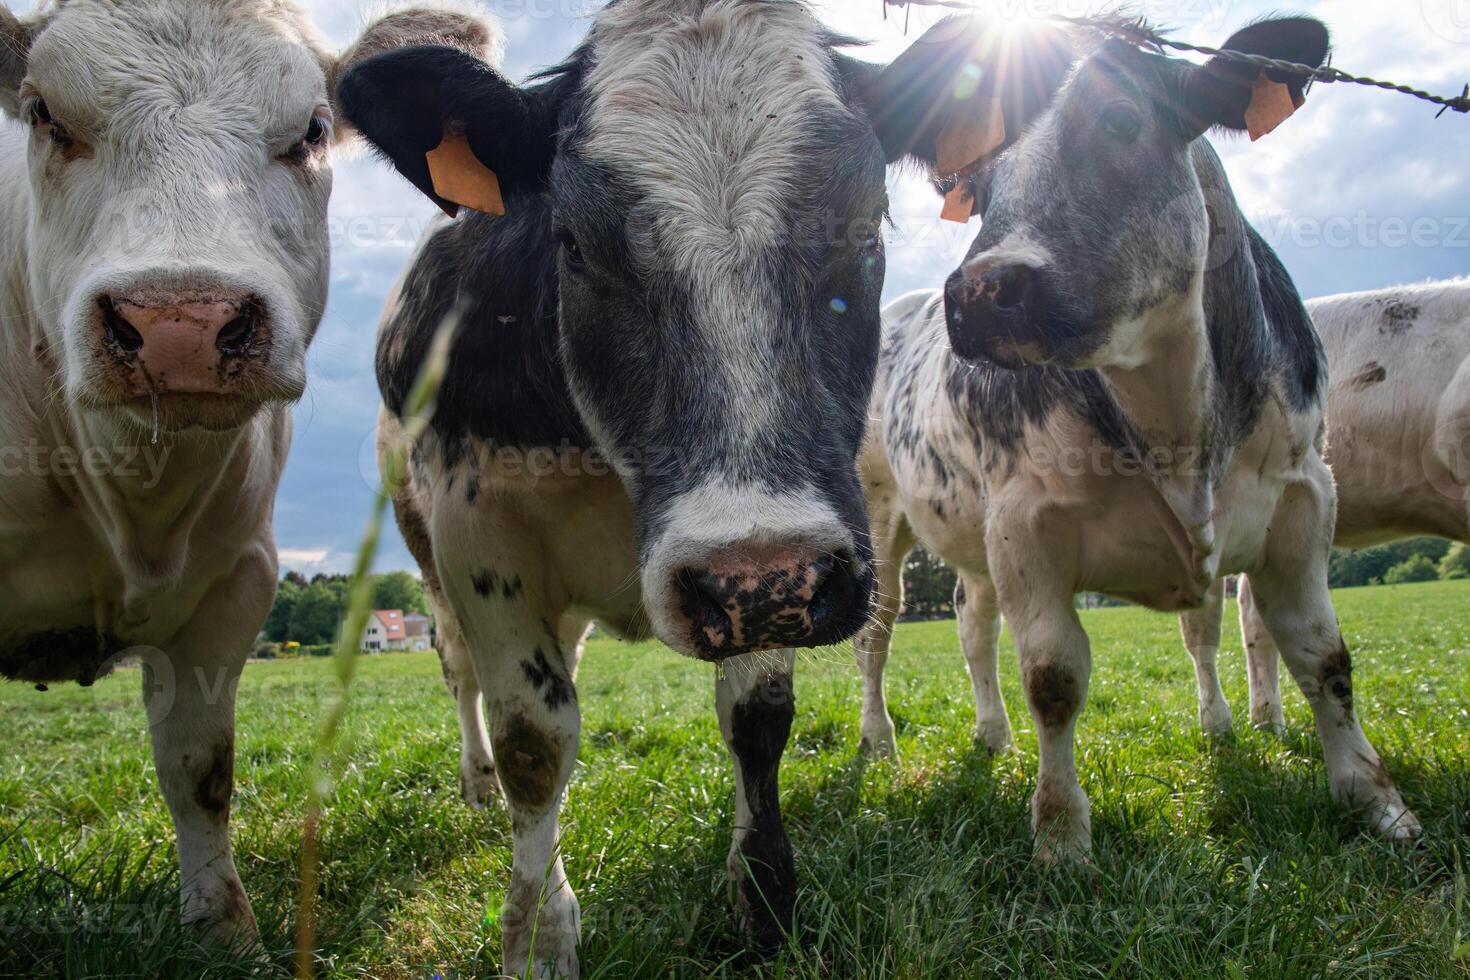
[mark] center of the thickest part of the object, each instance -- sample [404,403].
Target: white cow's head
[179,170]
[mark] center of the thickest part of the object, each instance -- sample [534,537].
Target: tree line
[929,583]
[309,611]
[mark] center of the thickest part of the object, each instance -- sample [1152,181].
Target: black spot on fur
[529,763]
[1336,676]
[1054,694]
[1399,317]
[217,782]
[1372,374]
[511,587]
[555,689]
[485,583]
[80,655]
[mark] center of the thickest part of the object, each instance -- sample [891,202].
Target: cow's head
[716,178]
[1100,215]
[178,160]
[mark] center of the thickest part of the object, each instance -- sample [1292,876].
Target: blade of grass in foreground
[418,410]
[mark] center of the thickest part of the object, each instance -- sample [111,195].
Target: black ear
[955,72]
[1220,93]
[405,101]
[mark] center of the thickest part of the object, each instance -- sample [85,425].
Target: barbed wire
[1136,31]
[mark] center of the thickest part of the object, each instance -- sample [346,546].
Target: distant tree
[1372,565]
[317,612]
[278,623]
[399,590]
[928,586]
[296,579]
[1416,569]
[1456,562]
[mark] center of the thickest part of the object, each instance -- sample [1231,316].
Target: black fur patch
[79,655]
[555,689]
[1372,374]
[217,782]
[766,873]
[484,582]
[1054,694]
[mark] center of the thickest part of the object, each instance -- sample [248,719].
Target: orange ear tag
[963,145]
[461,178]
[1272,103]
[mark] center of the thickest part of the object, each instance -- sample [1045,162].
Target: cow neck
[150,514]
[1167,392]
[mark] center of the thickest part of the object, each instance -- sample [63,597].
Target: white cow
[1398,442]
[163,267]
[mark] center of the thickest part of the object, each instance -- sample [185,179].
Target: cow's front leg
[1291,595]
[978,612]
[756,704]
[1056,665]
[1201,629]
[1262,664]
[189,693]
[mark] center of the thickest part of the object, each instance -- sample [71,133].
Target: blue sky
[1361,189]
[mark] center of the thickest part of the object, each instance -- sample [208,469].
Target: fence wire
[1137,32]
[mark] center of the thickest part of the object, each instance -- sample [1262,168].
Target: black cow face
[716,192]
[1099,215]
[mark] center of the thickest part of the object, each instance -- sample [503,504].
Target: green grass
[1211,860]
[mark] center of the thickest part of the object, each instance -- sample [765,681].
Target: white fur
[183,107]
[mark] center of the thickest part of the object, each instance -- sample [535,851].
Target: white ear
[15,45]
[453,24]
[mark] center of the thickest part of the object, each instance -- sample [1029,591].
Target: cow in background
[660,382]
[1398,442]
[165,167]
[1131,401]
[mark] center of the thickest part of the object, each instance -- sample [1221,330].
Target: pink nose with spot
[183,341]
[764,597]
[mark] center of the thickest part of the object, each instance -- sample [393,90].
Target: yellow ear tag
[962,147]
[461,178]
[1272,103]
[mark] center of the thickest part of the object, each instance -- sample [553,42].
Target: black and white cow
[654,405]
[164,175]
[1398,442]
[1119,391]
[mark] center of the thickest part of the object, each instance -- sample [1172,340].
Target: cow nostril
[703,603]
[836,590]
[1014,289]
[234,337]
[117,330]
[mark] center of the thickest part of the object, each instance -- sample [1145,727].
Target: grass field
[1212,860]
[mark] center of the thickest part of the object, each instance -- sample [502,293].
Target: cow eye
[1122,121]
[317,131]
[571,250]
[38,114]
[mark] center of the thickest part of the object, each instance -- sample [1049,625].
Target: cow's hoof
[878,740]
[1269,719]
[478,784]
[994,738]
[1055,846]
[1217,722]
[1397,825]
[222,917]
[541,932]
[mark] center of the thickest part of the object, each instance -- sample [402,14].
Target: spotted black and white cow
[1119,391]
[163,267]
[660,385]
[1398,442]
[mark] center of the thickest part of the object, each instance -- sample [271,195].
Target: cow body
[1398,442]
[163,268]
[1135,412]
[657,388]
